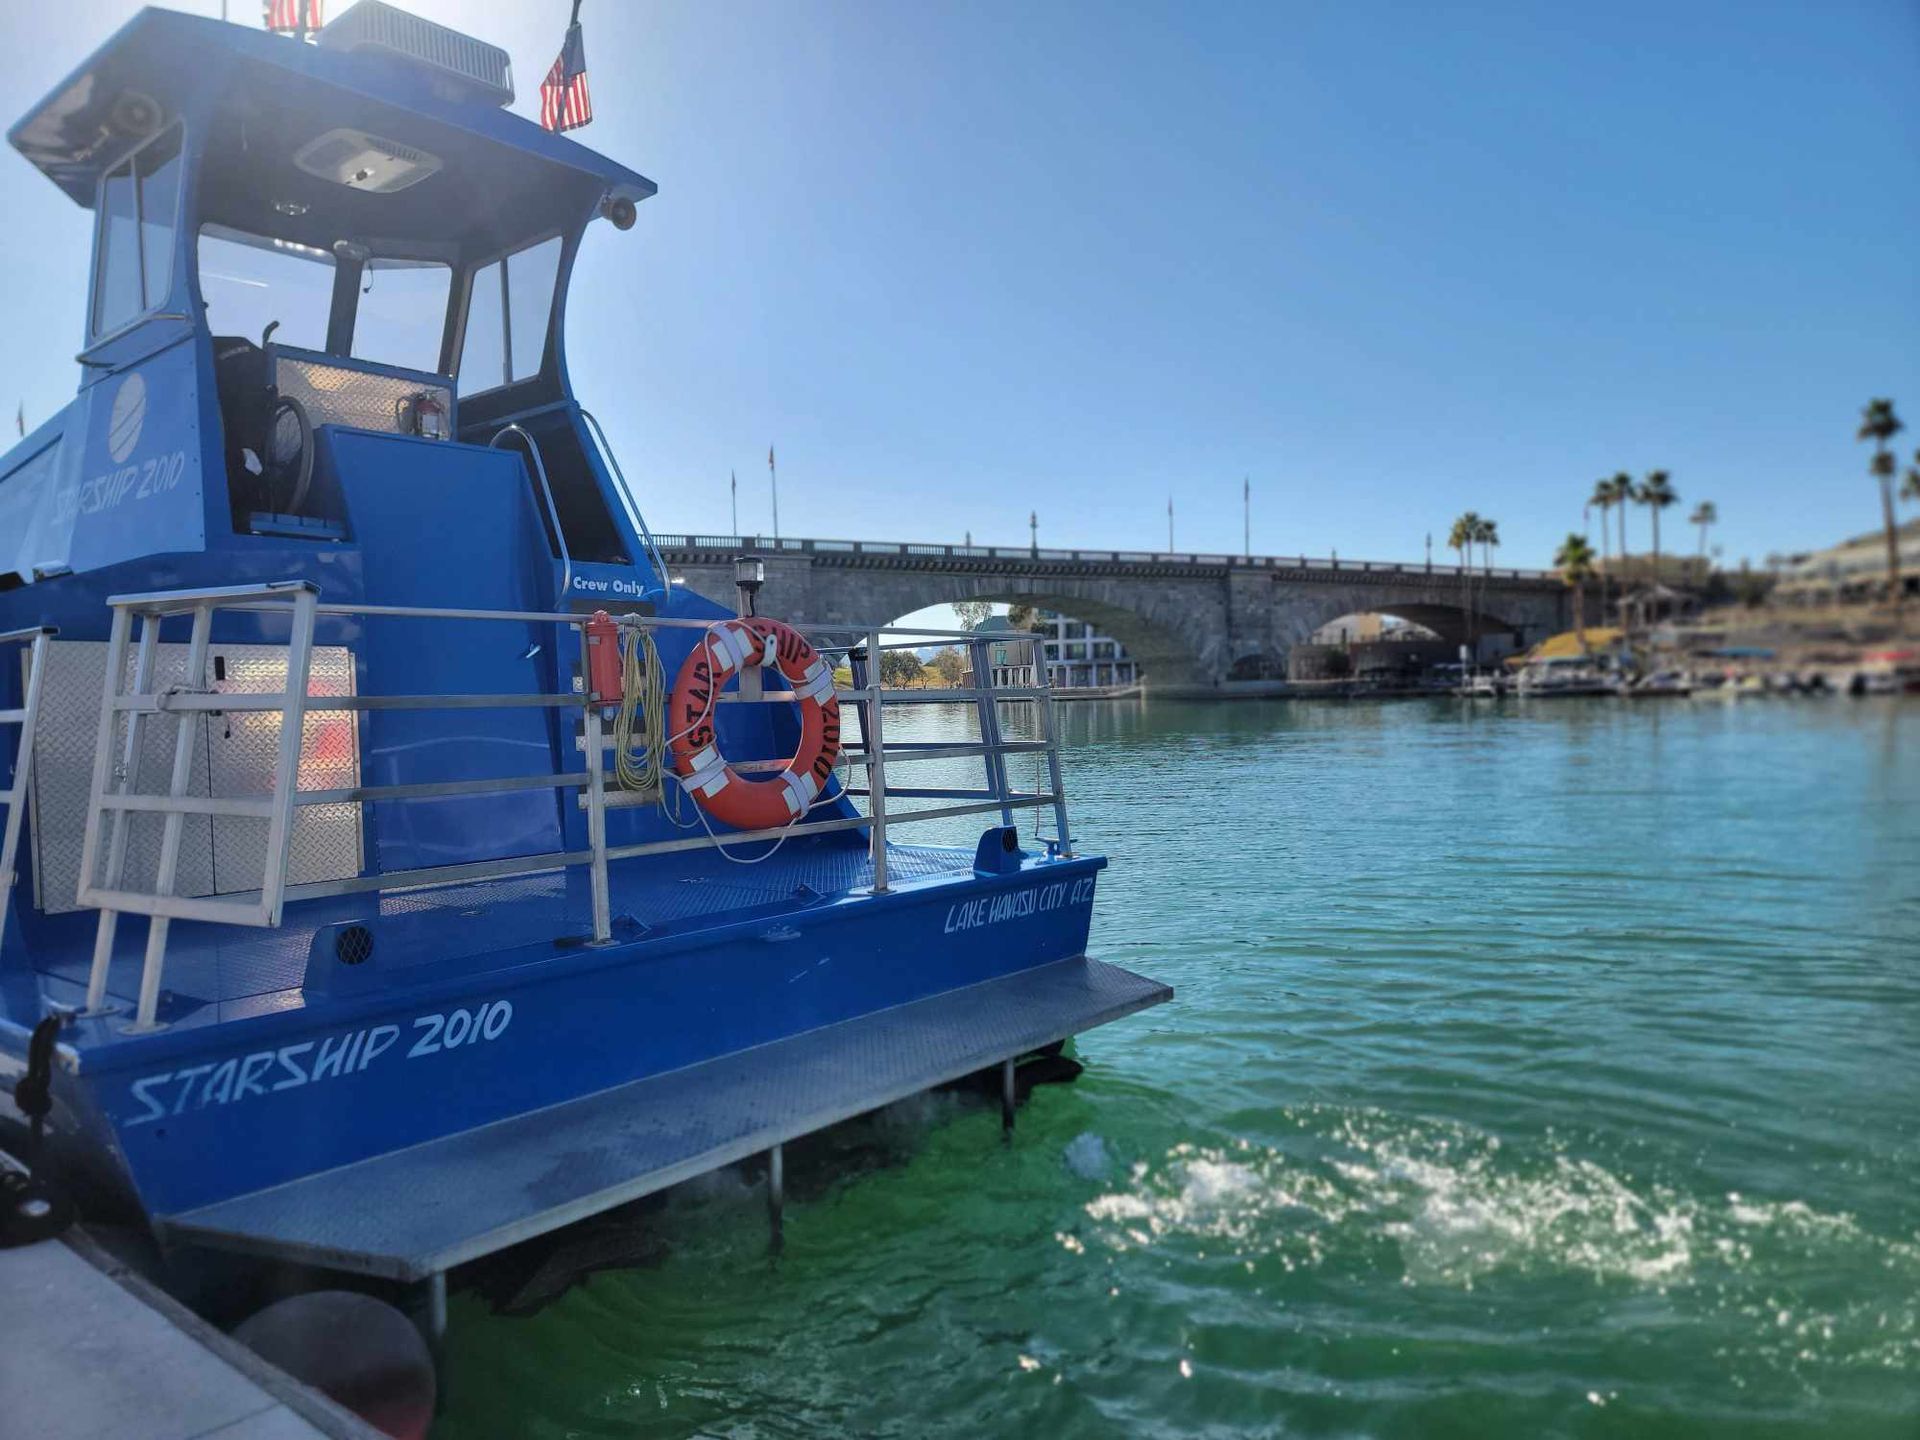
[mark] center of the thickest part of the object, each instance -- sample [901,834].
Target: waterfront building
[1855,569]
[1079,657]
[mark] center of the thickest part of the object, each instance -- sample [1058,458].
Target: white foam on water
[1457,1205]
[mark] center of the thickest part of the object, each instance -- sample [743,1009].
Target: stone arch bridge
[1197,624]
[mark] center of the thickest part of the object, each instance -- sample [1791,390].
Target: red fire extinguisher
[602,640]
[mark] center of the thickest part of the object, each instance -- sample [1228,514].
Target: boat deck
[226,972]
[418,1212]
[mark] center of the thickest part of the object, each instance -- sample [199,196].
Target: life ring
[719,789]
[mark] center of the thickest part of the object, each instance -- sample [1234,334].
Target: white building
[1079,657]
[1854,569]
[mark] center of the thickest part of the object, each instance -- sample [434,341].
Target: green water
[1534,1071]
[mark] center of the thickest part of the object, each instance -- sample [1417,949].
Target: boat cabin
[297,241]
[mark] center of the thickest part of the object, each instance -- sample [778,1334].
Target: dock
[90,1351]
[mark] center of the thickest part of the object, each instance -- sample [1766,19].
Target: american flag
[294,17]
[564,102]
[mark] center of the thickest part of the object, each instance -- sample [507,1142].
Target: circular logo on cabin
[129,414]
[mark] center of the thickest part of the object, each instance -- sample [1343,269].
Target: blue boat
[399,864]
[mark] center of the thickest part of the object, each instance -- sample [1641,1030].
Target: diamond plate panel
[334,395]
[325,844]
[233,757]
[63,741]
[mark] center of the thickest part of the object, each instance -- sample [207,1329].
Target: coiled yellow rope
[639,726]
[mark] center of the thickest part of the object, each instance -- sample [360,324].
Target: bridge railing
[762,544]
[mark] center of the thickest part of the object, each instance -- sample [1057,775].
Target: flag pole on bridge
[1246,512]
[1169,524]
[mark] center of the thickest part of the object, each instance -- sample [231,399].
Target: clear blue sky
[958,261]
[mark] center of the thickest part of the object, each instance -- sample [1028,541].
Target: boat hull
[196,1114]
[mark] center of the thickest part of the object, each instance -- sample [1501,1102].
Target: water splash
[1449,1204]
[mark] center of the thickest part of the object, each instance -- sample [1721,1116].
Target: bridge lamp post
[1033,532]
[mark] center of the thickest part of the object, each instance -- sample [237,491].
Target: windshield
[401,314]
[250,281]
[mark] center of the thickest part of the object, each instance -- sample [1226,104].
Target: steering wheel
[287,465]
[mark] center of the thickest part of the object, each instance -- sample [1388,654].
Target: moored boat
[398,864]
[1562,677]
[1669,684]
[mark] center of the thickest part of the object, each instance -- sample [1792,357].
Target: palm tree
[1489,542]
[1574,560]
[1489,538]
[1463,537]
[1704,515]
[1457,542]
[1879,424]
[1603,501]
[1656,493]
[1622,487]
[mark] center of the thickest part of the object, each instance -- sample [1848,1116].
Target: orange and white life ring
[728,647]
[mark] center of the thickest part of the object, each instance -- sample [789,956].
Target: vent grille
[474,69]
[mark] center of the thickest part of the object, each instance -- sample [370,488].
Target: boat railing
[132,699]
[520,432]
[627,500]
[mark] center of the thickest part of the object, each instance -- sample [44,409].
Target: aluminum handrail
[111,803]
[275,596]
[628,499]
[546,492]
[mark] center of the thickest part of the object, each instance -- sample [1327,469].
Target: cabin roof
[70,136]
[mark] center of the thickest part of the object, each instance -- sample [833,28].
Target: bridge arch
[1167,644]
[1455,624]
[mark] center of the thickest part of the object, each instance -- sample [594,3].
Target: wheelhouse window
[252,281]
[401,316]
[396,308]
[509,308]
[138,209]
